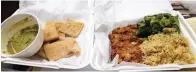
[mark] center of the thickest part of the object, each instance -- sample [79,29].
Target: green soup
[20,40]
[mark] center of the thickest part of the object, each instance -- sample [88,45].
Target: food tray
[99,61]
[90,54]
[57,12]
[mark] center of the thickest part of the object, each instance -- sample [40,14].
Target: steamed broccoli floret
[147,19]
[156,23]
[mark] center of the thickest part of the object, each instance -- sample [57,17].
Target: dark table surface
[8,8]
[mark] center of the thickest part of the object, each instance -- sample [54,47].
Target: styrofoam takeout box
[91,55]
[6,34]
[186,31]
[57,12]
[129,12]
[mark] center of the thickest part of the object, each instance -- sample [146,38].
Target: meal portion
[59,39]
[125,43]
[154,24]
[166,48]
[153,41]
[21,39]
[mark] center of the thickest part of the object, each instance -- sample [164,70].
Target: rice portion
[166,49]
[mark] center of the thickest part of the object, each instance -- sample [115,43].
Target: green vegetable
[20,23]
[22,39]
[169,30]
[153,24]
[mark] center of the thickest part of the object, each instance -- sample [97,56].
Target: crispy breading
[125,43]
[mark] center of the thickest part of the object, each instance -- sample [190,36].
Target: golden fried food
[125,43]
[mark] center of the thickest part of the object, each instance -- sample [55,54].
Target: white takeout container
[51,11]
[90,54]
[7,34]
[98,60]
